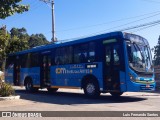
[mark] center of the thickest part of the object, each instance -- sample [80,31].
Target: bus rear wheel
[52,90]
[91,89]
[29,86]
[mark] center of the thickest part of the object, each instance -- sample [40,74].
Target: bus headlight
[132,78]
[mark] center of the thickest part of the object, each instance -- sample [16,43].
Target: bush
[6,90]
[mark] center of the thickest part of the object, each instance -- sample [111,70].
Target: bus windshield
[139,57]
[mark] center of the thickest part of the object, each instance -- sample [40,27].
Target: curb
[10,98]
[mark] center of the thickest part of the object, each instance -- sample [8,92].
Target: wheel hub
[90,88]
[28,86]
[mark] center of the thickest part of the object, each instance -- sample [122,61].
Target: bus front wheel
[91,89]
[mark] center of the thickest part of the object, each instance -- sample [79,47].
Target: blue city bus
[114,62]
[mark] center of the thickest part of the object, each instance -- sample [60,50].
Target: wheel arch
[87,78]
[27,78]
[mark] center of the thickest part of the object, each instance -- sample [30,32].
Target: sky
[80,18]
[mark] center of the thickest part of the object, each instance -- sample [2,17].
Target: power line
[141,26]
[123,19]
[144,18]
[154,14]
[146,27]
[126,24]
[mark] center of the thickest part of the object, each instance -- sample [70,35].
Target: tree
[37,40]
[4,36]
[157,53]
[9,7]
[21,33]
[16,44]
[18,40]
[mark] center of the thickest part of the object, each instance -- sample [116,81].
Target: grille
[150,87]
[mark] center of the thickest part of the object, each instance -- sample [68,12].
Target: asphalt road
[74,100]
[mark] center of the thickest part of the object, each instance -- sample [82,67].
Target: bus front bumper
[137,87]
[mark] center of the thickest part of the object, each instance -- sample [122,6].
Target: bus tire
[52,90]
[29,86]
[91,89]
[116,94]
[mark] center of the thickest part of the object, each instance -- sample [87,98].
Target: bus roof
[77,41]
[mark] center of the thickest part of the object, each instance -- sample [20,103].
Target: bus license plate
[147,86]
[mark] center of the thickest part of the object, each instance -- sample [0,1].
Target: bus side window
[76,54]
[84,53]
[35,62]
[80,53]
[24,60]
[28,62]
[57,60]
[108,55]
[63,55]
[82,58]
[67,55]
[58,56]
[116,54]
[91,54]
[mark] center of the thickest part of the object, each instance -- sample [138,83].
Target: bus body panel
[9,76]
[33,73]
[146,83]
[140,83]
[123,83]
[137,87]
[72,75]
[124,74]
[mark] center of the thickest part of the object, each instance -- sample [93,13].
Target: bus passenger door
[112,67]
[45,70]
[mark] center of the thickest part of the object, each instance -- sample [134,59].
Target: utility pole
[53,23]
[53,18]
